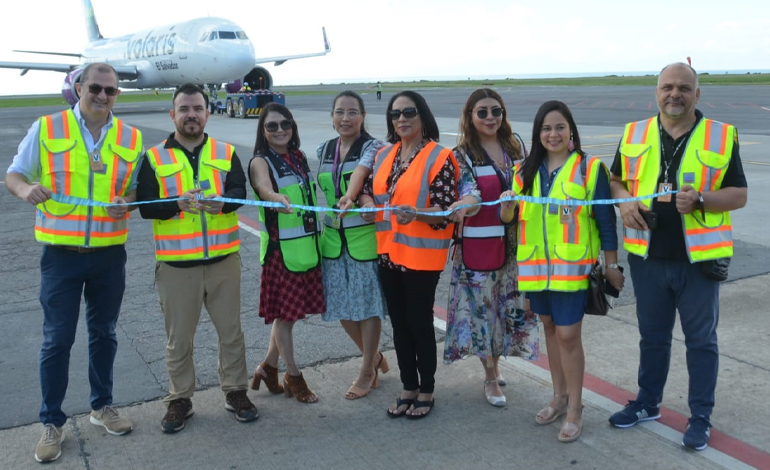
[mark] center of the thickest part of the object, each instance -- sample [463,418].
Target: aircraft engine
[258,78]
[68,87]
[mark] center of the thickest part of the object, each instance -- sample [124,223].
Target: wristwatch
[701,205]
[612,266]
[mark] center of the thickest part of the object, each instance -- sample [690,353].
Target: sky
[392,39]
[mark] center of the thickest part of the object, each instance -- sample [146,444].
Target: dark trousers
[410,296]
[662,287]
[100,277]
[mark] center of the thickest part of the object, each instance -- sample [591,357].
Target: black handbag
[596,299]
[715,269]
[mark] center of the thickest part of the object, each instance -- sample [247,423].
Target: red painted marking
[247,221]
[631,105]
[711,105]
[649,105]
[613,104]
[720,441]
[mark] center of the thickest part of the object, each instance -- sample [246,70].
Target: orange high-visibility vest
[65,170]
[415,245]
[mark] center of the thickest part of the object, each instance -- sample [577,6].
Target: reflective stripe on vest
[705,160]
[188,236]
[299,249]
[416,245]
[65,170]
[553,255]
[483,235]
[354,234]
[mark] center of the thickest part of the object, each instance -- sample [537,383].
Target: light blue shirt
[27,159]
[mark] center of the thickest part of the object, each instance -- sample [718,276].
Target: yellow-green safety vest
[66,170]
[354,233]
[704,164]
[188,236]
[553,255]
[299,247]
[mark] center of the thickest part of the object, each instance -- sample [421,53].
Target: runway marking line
[719,441]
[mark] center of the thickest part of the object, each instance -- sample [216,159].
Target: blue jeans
[662,287]
[100,277]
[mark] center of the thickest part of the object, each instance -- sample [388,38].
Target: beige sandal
[570,431]
[549,414]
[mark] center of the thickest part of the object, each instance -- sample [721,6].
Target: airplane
[206,51]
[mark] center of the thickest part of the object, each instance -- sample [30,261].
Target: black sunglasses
[273,126]
[108,90]
[408,113]
[482,113]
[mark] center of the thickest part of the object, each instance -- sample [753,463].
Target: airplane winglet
[327,46]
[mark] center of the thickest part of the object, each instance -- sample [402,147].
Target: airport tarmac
[464,430]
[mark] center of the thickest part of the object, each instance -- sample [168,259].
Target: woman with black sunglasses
[486,315]
[414,174]
[291,285]
[348,243]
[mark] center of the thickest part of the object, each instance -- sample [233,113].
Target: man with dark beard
[196,245]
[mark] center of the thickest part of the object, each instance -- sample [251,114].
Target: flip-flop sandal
[422,404]
[399,403]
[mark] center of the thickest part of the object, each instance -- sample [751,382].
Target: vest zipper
[204,230]
[90,210]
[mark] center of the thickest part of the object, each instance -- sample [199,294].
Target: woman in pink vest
[486,316]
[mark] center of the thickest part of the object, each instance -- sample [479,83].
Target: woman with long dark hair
[558,245]
[348,242]
[415,173]
[291,286]
[486,315]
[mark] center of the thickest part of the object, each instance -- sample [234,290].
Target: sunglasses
[408,113]
[108,90]
[483,113]
[273,126]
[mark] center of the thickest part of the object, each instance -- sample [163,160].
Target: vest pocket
[633,160]
[570,252]
[126,154]
[58,148]
[164,171]
[713,160]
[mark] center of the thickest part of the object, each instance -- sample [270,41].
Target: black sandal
[399,403]
[422,404]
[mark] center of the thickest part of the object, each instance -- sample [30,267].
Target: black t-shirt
[667,241]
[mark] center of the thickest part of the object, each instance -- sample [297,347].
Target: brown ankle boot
[270,378]
[295,386]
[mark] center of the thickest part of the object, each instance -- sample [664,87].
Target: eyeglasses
[108,90]
[408,113]
[351,113]
[482,113]
[273,126]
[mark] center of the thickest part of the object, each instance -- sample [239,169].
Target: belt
[80,249]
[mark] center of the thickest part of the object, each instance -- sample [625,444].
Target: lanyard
[337,171]
[667,162]
[295,166]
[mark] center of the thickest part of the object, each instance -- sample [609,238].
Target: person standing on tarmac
[83,152]
[289,254]
[349,243]
[196,245]
[671,262]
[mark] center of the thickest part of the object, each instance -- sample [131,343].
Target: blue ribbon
[537,200]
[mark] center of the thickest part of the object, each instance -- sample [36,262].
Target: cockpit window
[241,35]
[212,35]
[203,37]
[226,35]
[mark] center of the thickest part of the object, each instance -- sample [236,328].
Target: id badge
[95,162]
[662,188]
[565,214]
[308,219]
[386,212]
[336,221]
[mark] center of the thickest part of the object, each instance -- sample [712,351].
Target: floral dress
[486,315]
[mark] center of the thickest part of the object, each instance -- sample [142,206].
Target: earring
[571,144]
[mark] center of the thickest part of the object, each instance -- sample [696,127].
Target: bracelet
[613,266]
[268,195]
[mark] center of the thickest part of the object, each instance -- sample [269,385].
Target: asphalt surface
[321,348]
